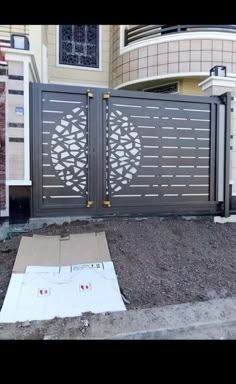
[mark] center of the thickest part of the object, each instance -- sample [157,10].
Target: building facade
[149,58]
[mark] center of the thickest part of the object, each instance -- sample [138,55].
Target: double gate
[99,152]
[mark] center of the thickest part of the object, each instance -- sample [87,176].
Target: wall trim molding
[206,35]
[169,76]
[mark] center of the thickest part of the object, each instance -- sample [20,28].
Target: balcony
[148,55]
[143,32]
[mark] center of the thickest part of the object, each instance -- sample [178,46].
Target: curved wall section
[180,57]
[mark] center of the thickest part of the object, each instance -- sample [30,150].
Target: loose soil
[158,261]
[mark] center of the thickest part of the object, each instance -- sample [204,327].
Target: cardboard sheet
[54,277]
[54,251]
[45,295]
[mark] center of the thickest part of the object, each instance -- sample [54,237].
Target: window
[79,45]
[165,88]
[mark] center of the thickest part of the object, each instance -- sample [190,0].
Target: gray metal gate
[121,152]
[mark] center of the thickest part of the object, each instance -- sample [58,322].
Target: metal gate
[121,152]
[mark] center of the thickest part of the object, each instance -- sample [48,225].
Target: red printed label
[43,292]
[85,287]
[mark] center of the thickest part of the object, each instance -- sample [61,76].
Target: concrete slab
[173,321]
[213,319]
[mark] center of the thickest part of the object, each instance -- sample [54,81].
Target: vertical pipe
[220,163]
[227,153]
[88,144]
[212,152]
[26,123]
[109,150]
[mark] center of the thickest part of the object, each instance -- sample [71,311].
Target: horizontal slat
[55,118]
[183,190]
[181,161]
[53,112]
[174,152]
[47,123]
[61,202]
[55,181]
[171,113]
[159,162]
[142,120]
[56,99]
[172,131]
[155,100]
[184,198]
[177,142]
[183,180]
[64,191]
[52,180]
[179,113]
[168,99]
[49,170]
[172,171]
[160,190]
[154,201]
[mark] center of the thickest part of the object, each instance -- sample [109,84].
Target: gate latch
[106,203]
[89,93]
[106,95]
[89,204]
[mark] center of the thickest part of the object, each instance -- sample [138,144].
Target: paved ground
[214,319]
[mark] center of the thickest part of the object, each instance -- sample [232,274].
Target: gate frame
[97,155]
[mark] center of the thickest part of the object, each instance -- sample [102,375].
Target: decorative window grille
[79,45]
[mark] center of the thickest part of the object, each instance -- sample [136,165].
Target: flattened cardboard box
[61,277]
[52,251]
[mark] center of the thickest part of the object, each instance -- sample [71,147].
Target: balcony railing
[143,32]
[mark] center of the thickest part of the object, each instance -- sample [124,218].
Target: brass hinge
[90,204]
[106,203]
[106,95]
[89,93]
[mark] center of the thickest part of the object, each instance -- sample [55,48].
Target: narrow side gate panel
[63,172]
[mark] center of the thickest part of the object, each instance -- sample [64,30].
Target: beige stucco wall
[7,30]
[190,86]
[44,34]
[73,75]
[38,36]
[35,38]
[186,86]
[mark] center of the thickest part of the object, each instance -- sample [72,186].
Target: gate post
[225,87]
[21,70]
